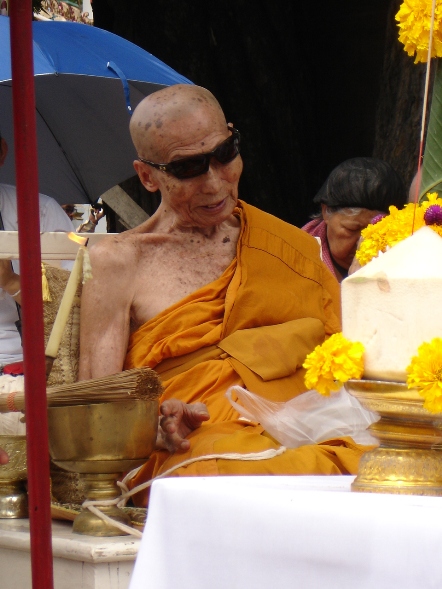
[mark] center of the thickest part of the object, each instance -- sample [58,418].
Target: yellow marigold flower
[414,18]
[333,363]
[431,198]
[395,227]
[425,374]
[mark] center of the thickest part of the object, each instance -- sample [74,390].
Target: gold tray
[69,511]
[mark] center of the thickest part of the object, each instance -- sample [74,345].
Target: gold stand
[100,441]
[408,460]
[100,487]
[13,496]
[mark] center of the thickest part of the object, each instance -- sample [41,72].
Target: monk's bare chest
[170,271]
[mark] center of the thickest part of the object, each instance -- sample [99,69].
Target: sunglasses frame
[235,137]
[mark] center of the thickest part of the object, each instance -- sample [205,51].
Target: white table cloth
[287,532]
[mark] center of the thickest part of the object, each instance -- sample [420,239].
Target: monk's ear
[146,175]
[324,214]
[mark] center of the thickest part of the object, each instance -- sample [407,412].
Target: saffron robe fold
[252,327]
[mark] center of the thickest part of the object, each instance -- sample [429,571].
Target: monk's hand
[4,458]
[177,420]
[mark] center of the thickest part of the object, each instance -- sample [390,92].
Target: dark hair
[363,182]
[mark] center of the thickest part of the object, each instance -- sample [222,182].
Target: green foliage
[432,164]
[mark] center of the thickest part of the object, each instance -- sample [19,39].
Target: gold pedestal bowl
[408,460]
[13,495]
[102,441]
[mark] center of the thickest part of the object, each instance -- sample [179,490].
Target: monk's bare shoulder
[120,250]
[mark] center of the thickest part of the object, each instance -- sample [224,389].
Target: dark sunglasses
[190,167]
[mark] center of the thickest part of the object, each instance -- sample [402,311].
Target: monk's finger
[200,408]
[4,458]
[175,442]
[169,424]
[196,414]
[172,407]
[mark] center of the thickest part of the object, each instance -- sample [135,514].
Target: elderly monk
[210,292]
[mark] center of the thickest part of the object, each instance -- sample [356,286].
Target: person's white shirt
[52,218]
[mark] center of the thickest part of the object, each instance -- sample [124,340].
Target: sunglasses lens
[189,168]
[199,164]
[228,150]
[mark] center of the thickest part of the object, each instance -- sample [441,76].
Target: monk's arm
[105,311]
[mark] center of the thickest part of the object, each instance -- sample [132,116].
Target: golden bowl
[409,457]
[13,496]
[102,441]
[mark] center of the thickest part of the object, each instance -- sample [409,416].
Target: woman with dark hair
[354,193]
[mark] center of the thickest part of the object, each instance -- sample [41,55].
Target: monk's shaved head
[167,115]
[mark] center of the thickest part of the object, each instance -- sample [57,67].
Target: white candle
[65,306]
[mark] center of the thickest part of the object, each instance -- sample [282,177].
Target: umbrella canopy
[86,82]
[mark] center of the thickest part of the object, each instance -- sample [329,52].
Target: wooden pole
[25,137]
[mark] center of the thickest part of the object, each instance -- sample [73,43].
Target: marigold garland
[333,363]
[425,374]
[395,227]
[414,18]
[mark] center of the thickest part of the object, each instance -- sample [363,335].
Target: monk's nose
[212,180]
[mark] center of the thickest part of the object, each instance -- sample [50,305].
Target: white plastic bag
[309,418]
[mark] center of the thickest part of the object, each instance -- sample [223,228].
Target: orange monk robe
[252,327]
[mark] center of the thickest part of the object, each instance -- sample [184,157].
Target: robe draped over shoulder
[253,327]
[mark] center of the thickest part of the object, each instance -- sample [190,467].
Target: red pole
[25,137]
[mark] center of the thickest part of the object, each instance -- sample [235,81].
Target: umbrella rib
[74,169]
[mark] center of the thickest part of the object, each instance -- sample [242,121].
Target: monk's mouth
[215,207]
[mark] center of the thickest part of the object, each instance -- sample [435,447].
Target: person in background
[52,218]
[355,192]
[96,212]
[72,212]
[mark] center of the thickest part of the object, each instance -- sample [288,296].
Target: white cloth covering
[286,532]
[52,218]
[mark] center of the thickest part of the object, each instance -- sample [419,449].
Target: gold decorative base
[13,495]
[13,500]
[408,460]
[101,487]
[66,487]
[400,471]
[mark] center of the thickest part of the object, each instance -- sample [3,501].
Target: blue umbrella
[87,82]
